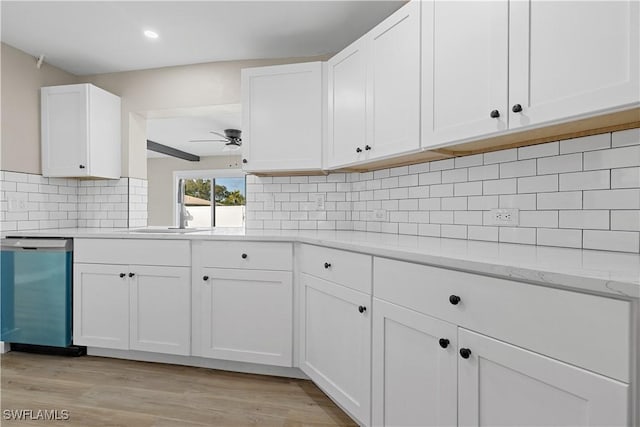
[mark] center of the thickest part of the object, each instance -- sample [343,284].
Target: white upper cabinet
[374,92]
[81,134]
[347,105]
[282,116]
[394,83]
[492,66]
[571,58]
[465,47]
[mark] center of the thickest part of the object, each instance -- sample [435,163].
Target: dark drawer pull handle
[82,166]
[454,299]
[465,353]
[244,256]
[367,147]
[362,309]
[122,275]
[132,274]
[205,278]
[495,114]
[358,150]
[444,343]
[327,265]
[517,108]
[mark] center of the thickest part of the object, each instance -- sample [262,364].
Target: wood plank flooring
[100,391]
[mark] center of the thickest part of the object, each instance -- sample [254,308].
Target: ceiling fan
[231,138]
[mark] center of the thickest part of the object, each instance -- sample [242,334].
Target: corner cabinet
[523,64]
[80,132]
[243,302]
[374,92]
[283,117]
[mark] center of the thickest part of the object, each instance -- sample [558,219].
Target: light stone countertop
[601,272]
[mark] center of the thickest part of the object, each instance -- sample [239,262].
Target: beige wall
[160,180]
[20,92]
[141,91]
[171,88]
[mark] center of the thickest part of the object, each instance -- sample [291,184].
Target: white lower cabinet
[335,347]
[414,368]
[132,307]
[246,315]
[503,385]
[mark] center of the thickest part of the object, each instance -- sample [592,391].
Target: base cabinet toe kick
[393,343]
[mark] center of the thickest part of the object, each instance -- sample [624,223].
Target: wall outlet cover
[379,214]
[319,202]
[509,216]
[17,205]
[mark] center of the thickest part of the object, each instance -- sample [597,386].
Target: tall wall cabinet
[80,132]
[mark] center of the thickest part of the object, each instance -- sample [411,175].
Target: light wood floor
[110,392]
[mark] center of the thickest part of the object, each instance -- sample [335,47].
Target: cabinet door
[246,315]
[101,306]
[336,343]
[161,309]
[347,105]
[414,373]
[64,128]
[394,83]
[503,385]
[282,115]
[464,71]
[572,58]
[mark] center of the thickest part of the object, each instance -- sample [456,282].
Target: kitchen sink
[172,230]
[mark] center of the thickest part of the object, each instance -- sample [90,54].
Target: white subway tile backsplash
[586,143]
[594,180]
[538,184]
[559,237]
[612,199]
[625,137]
[560,164]
[453,197]
[540,150]
[585,219]
[628,220]
[613,158]
[625,178]
[625,241]
[517,169]
[561,200]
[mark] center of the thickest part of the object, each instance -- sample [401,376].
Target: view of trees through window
[201,189]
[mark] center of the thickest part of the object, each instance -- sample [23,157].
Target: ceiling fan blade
[219,134]
[208,140]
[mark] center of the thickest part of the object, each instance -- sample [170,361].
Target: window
[224,208]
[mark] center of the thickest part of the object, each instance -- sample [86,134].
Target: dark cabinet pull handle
[358,150]
[122,275]
[465,353]
[244,161]
[454,299]
[516,108]
[367,147]
[82,166]
[132,274]
[444,343]
[362,309]
[495,114]
[327,265]
[205,278]
[244,256]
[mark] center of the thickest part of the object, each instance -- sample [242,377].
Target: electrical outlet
[320,202]
[379,214]
[16,205]
[505,216]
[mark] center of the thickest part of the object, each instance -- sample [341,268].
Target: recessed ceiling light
[151,34]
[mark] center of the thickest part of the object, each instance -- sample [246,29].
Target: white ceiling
[195,124]
[86,38]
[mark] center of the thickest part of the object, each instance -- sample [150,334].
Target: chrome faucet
[183,217]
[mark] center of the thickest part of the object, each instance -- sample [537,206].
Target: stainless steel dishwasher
[36,294]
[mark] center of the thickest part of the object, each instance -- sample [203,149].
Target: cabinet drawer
[132,251]
[586,330]
[346,268]
[247,255]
